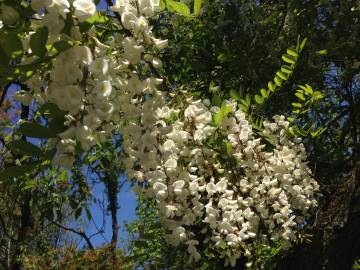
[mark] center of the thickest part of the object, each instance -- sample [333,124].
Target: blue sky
[102,4]
[126,213]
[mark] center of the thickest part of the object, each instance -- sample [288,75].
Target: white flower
[160,190]
[170,165]
[180,233]
[99,67]
[83,54]
[148,7]
[65,153]
[54,23]
[178,186]
[129,20]
[169,146]
[160,44]
[84,9]
[132,51]
[60,7]
[103,89]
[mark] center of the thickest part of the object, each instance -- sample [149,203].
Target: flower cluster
[97,84]
[234,185]
[238,193]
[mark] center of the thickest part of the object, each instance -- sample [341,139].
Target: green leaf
[277,81]
[259,99]
[271,86]
[229,148]
[62,45]
[69,22]
[308,89]
[16,171]
[213,87]
[29,184]
[322,52]
[216,100]
[303,43]
[38,41]
[140,243]
[4,58]
[245,103]
[51,110]
[162,5]
[88,214]
[286,69]
[235,95]
[318,95]
[97,18]
[179,7]
[197,6]
[220,115]
[24,147]
[78,213]
[248,99]
[264,93]
[291,119]
[292,53]
[288,59]
[243,108]
[281,75]
[297,105]
[300,96]
[36,130]
[11,44]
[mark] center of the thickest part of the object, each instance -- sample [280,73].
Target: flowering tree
[223,180]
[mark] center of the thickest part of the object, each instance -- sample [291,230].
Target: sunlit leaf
[36,130]
[179,7]
[288,59]
[38,41]
[264,93]
[25,148]
[259,99]
[197,6]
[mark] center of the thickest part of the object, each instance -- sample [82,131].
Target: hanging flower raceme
[222,178]
[97,85]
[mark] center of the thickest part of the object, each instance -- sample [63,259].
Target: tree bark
[26,218]
[335,244]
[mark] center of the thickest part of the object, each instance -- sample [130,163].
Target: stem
[81,233]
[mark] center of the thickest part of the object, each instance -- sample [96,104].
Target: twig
[81,233]
[3,94]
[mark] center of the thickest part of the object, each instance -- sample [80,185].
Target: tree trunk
[335,244]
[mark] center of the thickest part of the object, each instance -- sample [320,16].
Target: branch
[3,94]
[81,233]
